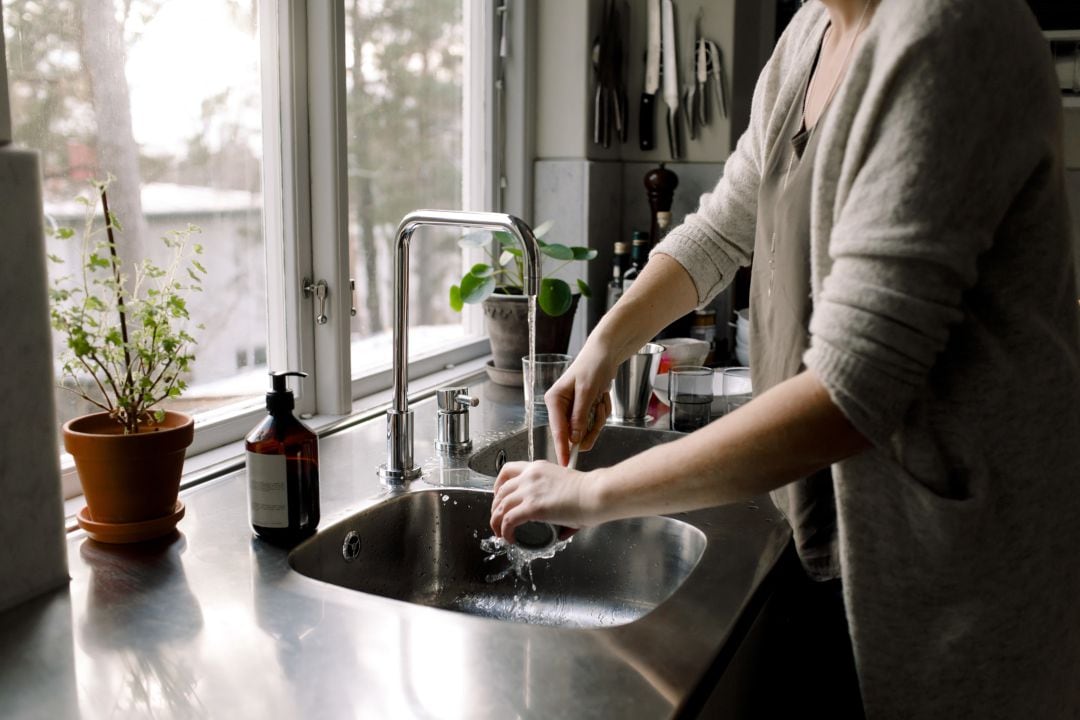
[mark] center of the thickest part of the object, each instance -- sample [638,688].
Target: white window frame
[305,201]
[305,208]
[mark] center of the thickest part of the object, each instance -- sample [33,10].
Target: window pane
[164,96]
[404,77]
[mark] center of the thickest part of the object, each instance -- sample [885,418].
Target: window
[218,113]
[405,69]
[106,88]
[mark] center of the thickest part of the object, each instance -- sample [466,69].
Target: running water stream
[528,379]
[521,558]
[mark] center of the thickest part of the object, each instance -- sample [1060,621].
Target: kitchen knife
[647,115]
[671,78]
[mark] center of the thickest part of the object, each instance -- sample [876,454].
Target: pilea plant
[125,328]
[506,271]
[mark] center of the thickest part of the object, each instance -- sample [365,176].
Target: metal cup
[632,386]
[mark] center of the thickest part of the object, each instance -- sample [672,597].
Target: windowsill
[205,466]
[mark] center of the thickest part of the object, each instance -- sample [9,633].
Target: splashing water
[520,558]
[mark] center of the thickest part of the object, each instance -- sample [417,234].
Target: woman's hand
[579,402]
[542,491]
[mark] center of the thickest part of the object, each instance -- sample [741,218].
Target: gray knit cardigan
[945,327]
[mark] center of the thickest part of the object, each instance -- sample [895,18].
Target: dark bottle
[639,255]
[618,269]
[283,470]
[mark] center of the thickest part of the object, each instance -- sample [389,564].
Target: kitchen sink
[423,547]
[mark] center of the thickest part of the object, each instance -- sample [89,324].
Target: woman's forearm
[787,433]
[662,293]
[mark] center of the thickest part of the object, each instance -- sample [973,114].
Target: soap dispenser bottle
[283,470]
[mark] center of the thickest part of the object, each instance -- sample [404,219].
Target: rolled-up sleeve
[713,242]
[943,163]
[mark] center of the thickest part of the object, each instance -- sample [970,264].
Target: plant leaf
[481,270]
[557,251]
[474,289]
[542,229]
[64,233]
[555,296]
[455,298]
[505,239]
[584,288]
[583,253]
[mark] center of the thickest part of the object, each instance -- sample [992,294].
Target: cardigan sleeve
[713,242]
[953,129]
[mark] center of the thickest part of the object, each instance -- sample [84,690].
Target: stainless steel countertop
[213,623]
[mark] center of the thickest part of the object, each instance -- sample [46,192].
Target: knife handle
[647,122]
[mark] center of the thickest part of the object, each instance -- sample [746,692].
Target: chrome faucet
[400,467]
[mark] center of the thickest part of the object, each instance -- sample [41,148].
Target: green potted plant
[498,285]
[126,349]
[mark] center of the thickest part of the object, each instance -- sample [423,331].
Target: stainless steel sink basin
[615,443]
[423,547]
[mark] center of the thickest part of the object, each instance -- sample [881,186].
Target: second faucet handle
[455,399]
[466,401]
[453,419]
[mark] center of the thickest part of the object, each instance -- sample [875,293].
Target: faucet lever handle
[466,400]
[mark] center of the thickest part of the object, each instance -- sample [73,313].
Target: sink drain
[350,549]
[500,460]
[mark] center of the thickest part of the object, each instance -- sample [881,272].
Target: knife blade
[647,115]
[670,77]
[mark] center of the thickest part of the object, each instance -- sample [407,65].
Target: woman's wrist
[598,502]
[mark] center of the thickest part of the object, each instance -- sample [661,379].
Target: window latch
[352,290]
[321,291]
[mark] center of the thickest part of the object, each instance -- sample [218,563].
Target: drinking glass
[736,386]
[690,395]
[546,369]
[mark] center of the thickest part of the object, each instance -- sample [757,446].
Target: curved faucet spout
[399,467]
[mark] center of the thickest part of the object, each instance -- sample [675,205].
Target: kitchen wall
[595,194]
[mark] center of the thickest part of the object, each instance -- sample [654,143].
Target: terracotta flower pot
[508,327]
[129,478]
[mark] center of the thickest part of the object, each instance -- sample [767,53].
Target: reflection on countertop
[212,622]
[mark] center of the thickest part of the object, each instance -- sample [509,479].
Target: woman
[915,332]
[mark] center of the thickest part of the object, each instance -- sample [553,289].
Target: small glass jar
[703,327]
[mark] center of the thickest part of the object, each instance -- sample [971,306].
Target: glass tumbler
[690,395]
[546,369]
[736,386]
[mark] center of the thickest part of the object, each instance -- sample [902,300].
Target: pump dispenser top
[280,398]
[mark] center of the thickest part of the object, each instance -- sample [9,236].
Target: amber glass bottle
[283,471]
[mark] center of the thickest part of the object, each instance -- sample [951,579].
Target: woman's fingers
[509,471]
[502,505]
[537,491]
[560,402]
[600,414]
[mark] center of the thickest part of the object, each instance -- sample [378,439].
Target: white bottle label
[268,497]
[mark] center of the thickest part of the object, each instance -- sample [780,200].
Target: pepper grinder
[660,184]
